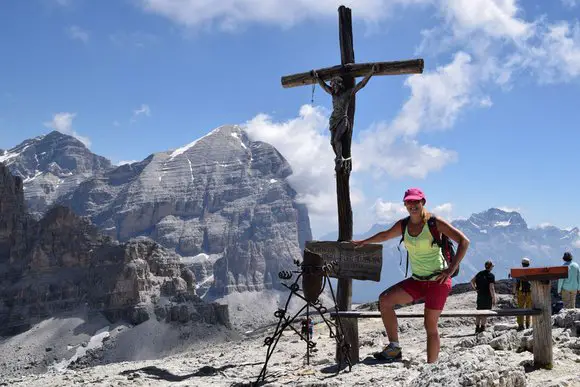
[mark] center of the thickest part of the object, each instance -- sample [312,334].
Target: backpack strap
[432,223]
[404,223]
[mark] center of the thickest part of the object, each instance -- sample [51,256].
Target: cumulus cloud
[386,212]
[63,123]
[444,210]
[304,143]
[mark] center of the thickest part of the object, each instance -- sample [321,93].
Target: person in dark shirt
[483,282]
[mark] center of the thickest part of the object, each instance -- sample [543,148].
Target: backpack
[441,239]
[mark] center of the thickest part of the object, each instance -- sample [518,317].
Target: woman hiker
[431,278]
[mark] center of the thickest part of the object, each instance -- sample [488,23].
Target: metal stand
[285,321]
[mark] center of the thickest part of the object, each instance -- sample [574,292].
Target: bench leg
[542,324]
[350,334]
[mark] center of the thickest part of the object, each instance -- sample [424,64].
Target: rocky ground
[498,357]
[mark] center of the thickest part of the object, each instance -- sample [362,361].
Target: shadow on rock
[163,374]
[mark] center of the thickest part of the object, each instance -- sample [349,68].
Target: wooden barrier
[541,312]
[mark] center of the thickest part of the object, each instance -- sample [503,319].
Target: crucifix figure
[341,127]
[339,123]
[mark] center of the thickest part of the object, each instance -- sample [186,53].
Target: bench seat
[445,313]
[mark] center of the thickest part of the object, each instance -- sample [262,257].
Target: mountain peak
[495,218]
[51,165]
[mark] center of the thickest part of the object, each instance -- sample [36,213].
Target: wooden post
[344,291]
[540,278]
[542,324]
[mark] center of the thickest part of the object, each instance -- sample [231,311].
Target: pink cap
[414,194]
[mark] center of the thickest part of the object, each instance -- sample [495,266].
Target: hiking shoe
[389,353]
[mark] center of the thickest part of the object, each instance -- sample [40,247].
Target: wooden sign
[362,263]
[540,273]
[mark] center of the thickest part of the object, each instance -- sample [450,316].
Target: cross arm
[414,66]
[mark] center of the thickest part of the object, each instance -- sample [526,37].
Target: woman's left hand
[445,274]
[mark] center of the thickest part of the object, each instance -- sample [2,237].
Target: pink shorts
[434,293]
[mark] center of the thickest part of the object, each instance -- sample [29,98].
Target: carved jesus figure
[339,123]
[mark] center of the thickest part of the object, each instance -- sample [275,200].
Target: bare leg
[433,344]
[388,299]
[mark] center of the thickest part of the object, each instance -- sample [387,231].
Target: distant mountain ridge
[50,166]
[221,202]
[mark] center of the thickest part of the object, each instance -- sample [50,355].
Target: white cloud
[305,145]
[437,97]
[557,57]
[486,102]
[63,123]
[577,243]
[494,18]
[388,211]
[444,210]
[231,14]
[116,123]
[143,110]
[304,142]
[77,33]
[436,100]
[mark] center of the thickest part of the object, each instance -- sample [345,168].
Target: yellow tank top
[425,256]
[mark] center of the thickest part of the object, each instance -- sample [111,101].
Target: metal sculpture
[314,274]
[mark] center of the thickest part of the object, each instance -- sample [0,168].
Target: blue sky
[492,122]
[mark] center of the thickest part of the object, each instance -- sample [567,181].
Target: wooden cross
[348,71]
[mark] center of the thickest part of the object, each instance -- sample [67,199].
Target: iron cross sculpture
[342,121]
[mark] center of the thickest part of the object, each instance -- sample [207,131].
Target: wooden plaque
[540,273]
[362,263]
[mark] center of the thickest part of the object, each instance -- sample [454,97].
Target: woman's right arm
[382,236]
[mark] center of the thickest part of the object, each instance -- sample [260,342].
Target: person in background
[523,294]
[569,287]
[484,282]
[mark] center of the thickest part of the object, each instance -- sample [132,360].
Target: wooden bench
[446,313]
[541,312]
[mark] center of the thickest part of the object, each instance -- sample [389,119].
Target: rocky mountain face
[502,236]
[62,262]
[222,196]
[51,166]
